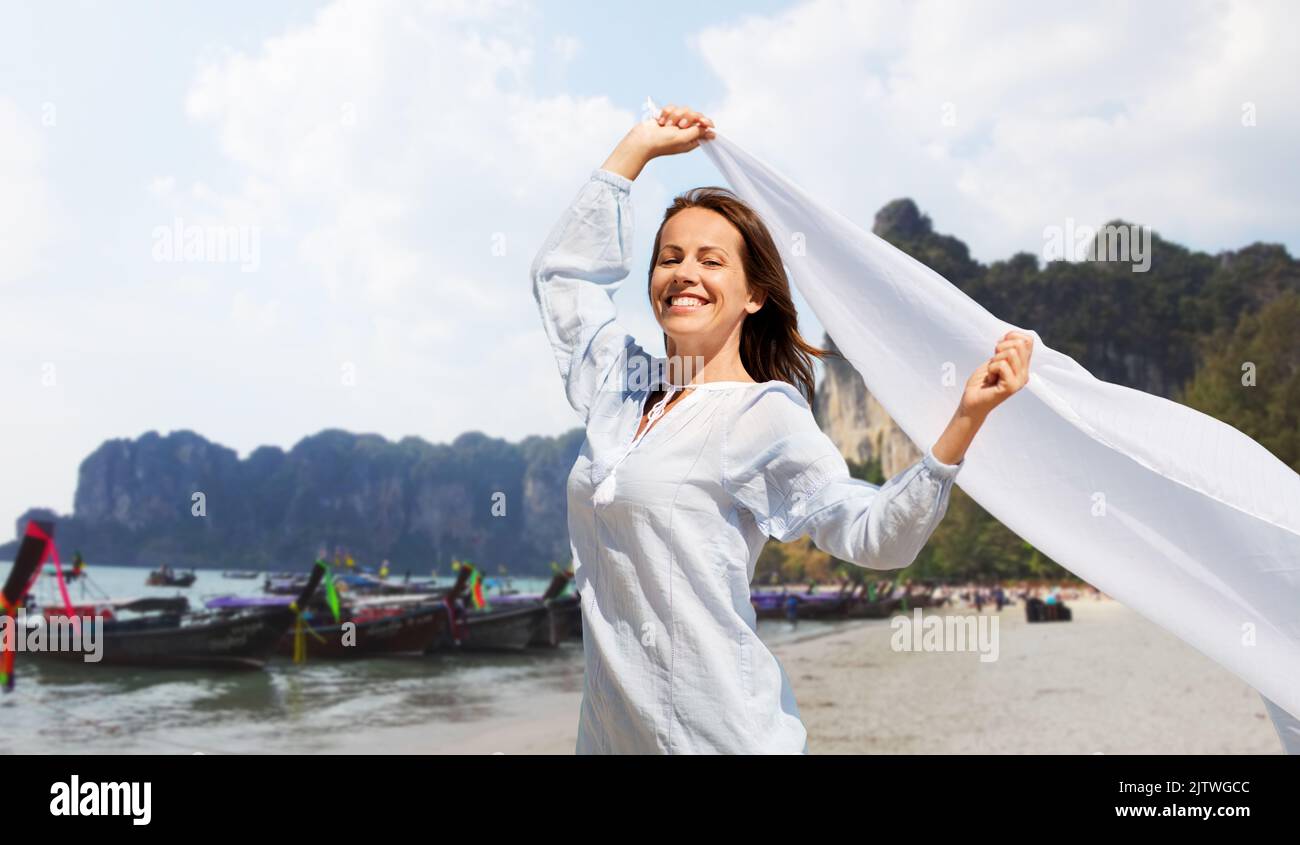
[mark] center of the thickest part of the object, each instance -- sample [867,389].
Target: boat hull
[238,642]
[505,629]
[878,609]
[156,580]
[564,621]
[409,632]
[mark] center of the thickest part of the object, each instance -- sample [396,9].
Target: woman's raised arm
[588,253]
[575,274]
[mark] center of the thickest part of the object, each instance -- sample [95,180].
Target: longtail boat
[873,600]
[881,608]
[563,618]
[377,631]
[225,641]
[362,584]
[357,626]
[166,634]
[504,628]
[168,578]
[476,625]
[771,604]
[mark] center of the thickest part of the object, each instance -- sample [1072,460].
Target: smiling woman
[668,512]
[717,281]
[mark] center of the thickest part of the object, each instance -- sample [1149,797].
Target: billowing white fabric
[1288,727]
[666,526]
[1174,513]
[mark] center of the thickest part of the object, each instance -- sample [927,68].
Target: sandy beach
[1108,682]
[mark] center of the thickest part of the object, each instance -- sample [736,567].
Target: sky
[387,171]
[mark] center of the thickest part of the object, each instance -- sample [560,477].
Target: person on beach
[692,461]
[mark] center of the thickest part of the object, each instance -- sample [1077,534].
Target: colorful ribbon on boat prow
[7,611]
[36,544]
[331,594]
[556,572]
[52,551]
[474,582]
[476,588]
[299,605]
[457,624]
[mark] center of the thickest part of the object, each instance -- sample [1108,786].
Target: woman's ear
[756,299]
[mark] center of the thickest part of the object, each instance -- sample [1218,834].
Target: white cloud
[26,199]
[1122,109]
[389,151]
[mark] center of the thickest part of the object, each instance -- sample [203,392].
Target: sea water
[321,706]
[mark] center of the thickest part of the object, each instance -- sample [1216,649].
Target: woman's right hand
[677,129]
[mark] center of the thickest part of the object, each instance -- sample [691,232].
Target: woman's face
[698,286]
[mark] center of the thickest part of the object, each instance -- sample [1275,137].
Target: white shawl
[1172,512]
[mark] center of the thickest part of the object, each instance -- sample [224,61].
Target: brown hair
[771,347]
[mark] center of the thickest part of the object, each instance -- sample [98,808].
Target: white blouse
[666,527]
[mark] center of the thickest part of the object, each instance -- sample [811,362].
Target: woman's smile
[685,303]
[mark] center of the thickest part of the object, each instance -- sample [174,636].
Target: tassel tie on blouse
[604,492]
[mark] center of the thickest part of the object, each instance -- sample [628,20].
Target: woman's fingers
[687,117]
[1002,375]
[1003,369]
[681,117]
[1018,341]
[1021,345]
[1009,356]
[1014,355]
[1004,364]
[688,127]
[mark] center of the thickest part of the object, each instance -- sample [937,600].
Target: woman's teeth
[686,302]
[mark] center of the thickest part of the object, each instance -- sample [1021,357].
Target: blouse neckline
[717,385]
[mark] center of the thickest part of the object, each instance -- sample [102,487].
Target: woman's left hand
[1000,376]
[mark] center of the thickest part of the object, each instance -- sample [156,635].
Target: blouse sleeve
[575,275]
[784,470]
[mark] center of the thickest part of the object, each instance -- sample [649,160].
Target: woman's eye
[710,263]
